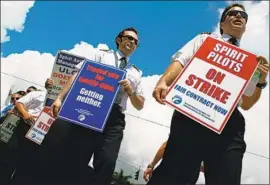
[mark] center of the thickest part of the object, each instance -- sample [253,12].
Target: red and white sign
[41,127]
[212,83]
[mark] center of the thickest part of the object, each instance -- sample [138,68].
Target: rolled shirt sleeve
[185,54]
[27,99]
[33,102]
[139,89]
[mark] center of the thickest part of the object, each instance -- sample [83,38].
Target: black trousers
[6,167]
[6,163]
[190,143]
[33,162]
[82,143]
[28,161]
[7,157]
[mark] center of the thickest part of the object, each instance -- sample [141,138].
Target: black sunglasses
[235,12]
[131,39]
[12,98]
[22,93]
[28,91]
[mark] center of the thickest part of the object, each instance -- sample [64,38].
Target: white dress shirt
[132,73]
[185,54]
[33,102]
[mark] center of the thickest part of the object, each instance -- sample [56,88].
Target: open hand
[160,92]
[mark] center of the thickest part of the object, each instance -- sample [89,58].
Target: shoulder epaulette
[106,50]
[208,33]
[135,67]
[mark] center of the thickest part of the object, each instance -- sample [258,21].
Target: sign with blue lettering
[63,69]
[92,95]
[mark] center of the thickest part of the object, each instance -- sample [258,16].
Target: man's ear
[221,25]
[118,40]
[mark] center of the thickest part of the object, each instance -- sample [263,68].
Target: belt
[117,107]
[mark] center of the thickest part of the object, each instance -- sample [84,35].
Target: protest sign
[8,127]
[91,97]
[63,69]
[212,83]
[41,127]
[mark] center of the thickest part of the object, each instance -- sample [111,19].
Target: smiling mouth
[129,45]
[237,22]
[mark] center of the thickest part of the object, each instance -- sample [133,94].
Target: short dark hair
[32,87]
[22,93]
[225,11]
[121,34]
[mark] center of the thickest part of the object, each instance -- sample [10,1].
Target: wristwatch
[150,166]
[261,85]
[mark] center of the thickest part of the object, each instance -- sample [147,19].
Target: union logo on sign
[177,99]
[33,135]
[81,117]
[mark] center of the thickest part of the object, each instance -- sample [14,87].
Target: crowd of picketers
[10,153]
[27,105]
[65,153]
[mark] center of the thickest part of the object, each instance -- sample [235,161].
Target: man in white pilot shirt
[190,143]
[84,143]
[29,108]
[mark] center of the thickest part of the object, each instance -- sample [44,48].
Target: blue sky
[163,27]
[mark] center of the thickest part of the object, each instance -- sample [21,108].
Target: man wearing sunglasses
[31,88]
[6,150]
[190,143]
[27,153]
[14,97]
[84,143]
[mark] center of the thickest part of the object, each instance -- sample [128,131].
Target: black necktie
[123,63]
[233,41]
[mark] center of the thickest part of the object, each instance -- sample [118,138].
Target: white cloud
[143,138]
[103,47]
[257,29]
[32,66]
[13,16]
[256,40]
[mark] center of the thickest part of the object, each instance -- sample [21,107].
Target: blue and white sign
[63,69]
[92,95]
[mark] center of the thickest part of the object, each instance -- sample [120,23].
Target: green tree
[119,178]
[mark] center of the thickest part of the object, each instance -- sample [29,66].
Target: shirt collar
[226,37]
[120,55]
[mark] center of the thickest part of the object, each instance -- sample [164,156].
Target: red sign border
[195,118]
[46,110]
